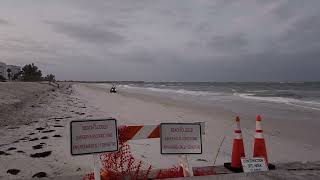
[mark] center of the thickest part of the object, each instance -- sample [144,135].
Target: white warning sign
[254,164]
[93,136]
[180,138]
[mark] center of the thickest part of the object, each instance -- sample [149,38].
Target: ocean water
[300,94]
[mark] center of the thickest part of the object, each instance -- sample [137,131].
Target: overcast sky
[164,40]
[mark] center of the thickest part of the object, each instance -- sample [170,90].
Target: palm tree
[31,72]
[50,78]
[17,76]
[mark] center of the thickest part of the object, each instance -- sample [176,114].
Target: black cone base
[271,166]
[233,169]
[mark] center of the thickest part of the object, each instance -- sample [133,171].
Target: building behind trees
[29,72]
[3,70]
[15,72]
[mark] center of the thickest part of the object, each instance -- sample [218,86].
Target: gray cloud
[198,40]
[23,45]
[302,36]
[292,8]
[258,67]
[88,32]
[287,9]
[231,43]
[3,21]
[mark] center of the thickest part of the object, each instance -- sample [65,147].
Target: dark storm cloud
[231,43]
[88,32]
[291,8]
[3,21]
[144,57]
[114,24]
[303,35]
[23,45]
[148,58]
[303,24]
[278,67]
[258,67]
[166,40]
[287,10]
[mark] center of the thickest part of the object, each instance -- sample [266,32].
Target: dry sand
[33,105]
[35,119]
[138,108]
[19,100]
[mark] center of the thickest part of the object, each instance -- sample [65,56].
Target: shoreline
[279,120]
[281,140]
[90,101]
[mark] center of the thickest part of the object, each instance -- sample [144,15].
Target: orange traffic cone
[237,150]
[259,148]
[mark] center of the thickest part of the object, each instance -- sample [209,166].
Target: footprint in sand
[34,139]
[203,160]
[20,151]
[44,137]
[4,153]
[41,155]
[60,118]
[24,139]
[40,128]
[12,148]
[57,135]
[39,146]
[39,175]
[80,113]
[58,126]
[13,171]
[48,131]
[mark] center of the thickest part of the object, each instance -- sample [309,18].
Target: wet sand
[287,139]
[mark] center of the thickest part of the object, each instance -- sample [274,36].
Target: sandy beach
[35,127]
[159,89]
[283,141]
[34,130]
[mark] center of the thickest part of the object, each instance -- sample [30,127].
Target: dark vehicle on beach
[113,89]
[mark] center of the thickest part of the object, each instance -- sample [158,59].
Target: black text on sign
[180,138]
[93,136]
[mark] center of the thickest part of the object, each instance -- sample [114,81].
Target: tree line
[29,72]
